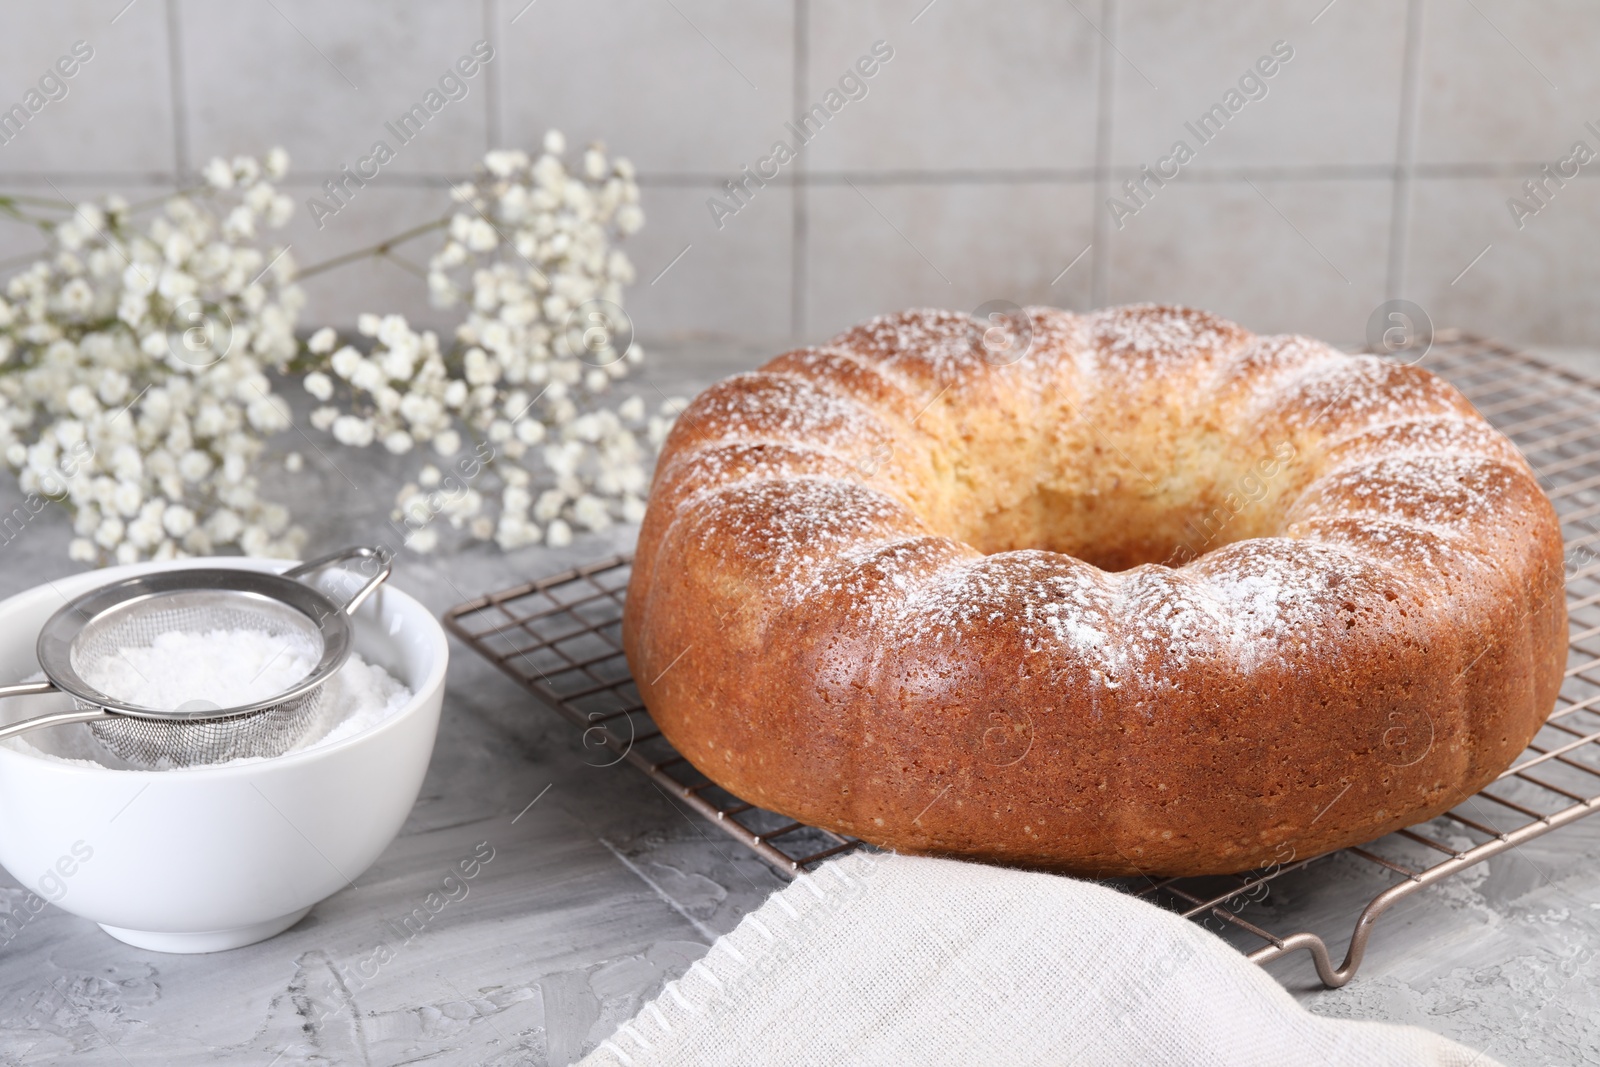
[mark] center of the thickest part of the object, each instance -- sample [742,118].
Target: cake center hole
[1109,513]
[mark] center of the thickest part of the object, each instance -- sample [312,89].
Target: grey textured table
[605,889]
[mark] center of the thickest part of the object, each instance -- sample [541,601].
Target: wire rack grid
[560,637]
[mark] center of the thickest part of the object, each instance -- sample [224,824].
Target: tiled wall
[977,166]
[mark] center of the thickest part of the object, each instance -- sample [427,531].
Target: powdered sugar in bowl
[213,857]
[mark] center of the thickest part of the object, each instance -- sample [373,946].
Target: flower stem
[156,201]
[382,248]
[37,201]
[10,208]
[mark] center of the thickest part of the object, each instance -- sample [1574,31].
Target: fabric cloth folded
[888,960]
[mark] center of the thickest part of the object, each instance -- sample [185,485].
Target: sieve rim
[56,638]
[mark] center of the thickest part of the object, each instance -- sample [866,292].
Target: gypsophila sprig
[134,362]
[530,255]
[132,369]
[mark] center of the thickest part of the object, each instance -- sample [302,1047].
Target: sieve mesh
[268,731]
[156,743]
[138,623]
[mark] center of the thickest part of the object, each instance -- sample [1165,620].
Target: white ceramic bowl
[210,858]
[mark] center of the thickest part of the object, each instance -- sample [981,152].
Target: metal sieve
[132,612]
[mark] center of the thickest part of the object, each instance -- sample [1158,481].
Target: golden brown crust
[868,592]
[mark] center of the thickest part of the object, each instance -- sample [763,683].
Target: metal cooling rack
[560,637]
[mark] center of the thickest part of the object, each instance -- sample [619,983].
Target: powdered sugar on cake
[1395,458]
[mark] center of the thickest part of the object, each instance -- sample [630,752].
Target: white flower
[255,541]
[280,212]
[322,341]
[367,376]
[218,174]
[480,236]
[319,385]
[590,511]
[194,466]
[268,414]
[558,534]
[549,504]
[127,463]
[128,498]
[81,402]
[113,387]
[108,534]
[177,520]
[352,430]
[530,432]
[555,143]
[345,361]
[77,297]
[225,526]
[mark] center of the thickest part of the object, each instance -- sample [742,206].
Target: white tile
[323,79]
[733,282]
[1536,284]
[117,111]
[1317,268]
[1336,101]
[1507,81]
[686,86]
[990,86]
[877,249]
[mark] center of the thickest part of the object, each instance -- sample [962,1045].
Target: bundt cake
[1146,595]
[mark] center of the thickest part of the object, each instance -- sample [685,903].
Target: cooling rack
[560,637]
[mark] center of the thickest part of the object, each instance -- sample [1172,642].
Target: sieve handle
[385,567]
[41,721]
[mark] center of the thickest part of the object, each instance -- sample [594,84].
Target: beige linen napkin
[888,960]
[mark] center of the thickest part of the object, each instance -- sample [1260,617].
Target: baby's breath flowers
[132,369]
[134,361]
[529,253]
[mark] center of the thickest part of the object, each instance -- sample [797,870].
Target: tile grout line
[491,83]
[799,238]
[1100,261]
[1077,176]
[1074,176]
[1405,152]
[180,107]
